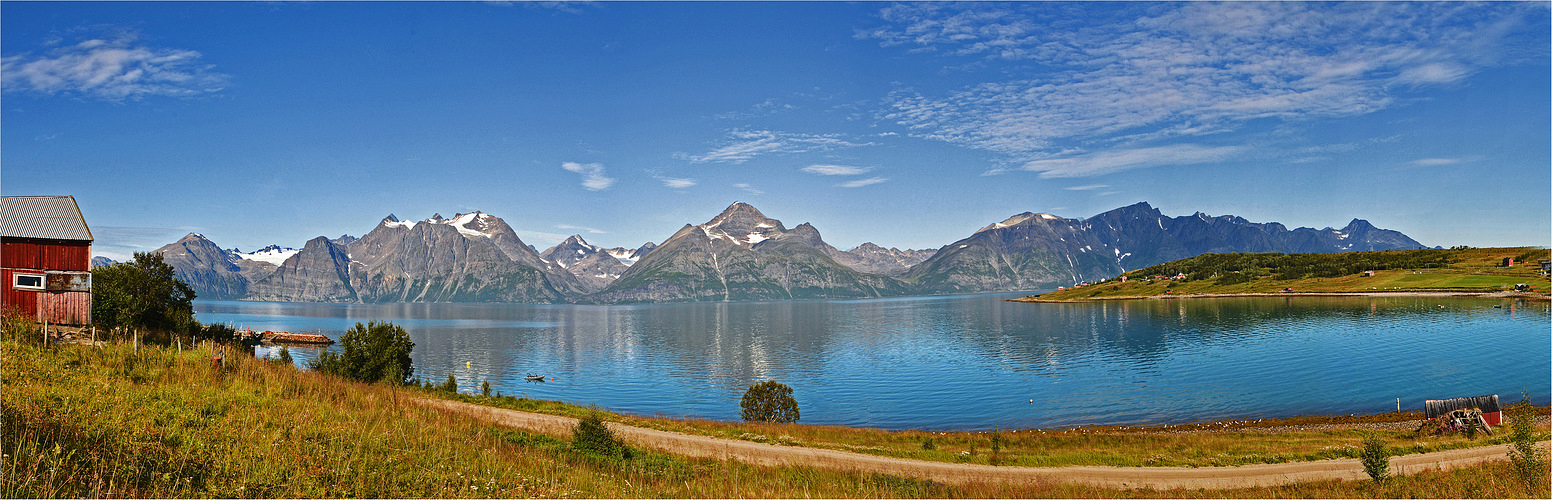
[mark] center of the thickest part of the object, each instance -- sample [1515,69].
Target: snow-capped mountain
[213,273]
[742,255]
[594,266]
[1030,251]
[629,257]
[473,257]
[273,254]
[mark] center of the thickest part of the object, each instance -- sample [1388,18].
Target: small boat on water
[534,378]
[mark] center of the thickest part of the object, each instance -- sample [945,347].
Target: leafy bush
[370,353]
[591,436]
[451,385]
[1376,462]
[769,401]
[284,356]
[1529,463]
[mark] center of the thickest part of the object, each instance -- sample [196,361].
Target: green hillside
[1466,270]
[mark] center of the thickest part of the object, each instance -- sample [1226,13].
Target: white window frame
[16,281]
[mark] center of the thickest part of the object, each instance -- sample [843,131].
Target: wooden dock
[285,337]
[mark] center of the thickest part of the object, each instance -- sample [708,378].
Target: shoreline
[1483,295]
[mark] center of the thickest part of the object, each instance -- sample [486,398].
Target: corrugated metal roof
[46,217]
[1435,407]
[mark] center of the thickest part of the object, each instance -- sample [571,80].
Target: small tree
[1375,461]
[769,401]
[485,388]
[1529,463]
[367,353]
[451,385]
[143,294]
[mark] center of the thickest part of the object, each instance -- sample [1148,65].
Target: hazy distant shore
[1490,295]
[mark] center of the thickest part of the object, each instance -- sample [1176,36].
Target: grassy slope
[1236,442]
[1474,270]
[84,422]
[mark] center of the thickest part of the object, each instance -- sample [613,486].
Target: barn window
[27,281]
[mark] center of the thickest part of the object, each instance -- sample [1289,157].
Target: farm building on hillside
[1491,413]
[45,259]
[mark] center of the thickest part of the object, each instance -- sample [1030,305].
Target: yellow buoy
[468,364]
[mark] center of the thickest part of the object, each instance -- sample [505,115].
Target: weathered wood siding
[32,256]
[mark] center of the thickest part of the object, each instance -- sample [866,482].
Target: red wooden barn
[45,259]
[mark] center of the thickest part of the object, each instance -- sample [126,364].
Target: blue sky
[907,125]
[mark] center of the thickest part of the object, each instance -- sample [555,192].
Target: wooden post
[1398,405]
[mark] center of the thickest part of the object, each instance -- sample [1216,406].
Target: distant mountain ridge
[212,272]
[1031,251]
[474,257]
[871,258]
[740,254]
[595,267]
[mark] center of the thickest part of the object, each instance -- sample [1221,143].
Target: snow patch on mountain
[273,254]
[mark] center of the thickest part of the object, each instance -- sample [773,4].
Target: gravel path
[1108,477]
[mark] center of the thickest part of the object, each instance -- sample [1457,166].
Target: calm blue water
[970,362]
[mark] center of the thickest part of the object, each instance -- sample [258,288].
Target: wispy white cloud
[767,107]
[111,68]
[120,243]
[1149,72]
[569,6]
[835,170]
[1436,162]
[1116,160]
[677,183]
[742,145]
[1089,187]
[862,182]
[747,188]
[593,177]
[589,230]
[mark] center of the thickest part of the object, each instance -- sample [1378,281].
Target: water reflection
[969,361]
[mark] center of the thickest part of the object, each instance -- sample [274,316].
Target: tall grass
[108,422]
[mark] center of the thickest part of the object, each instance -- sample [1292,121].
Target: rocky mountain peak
[474,224]
[867,247]
[193,237]
[1358,224]
[1018,219]
[742,224]
[568,252]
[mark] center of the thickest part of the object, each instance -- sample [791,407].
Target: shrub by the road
[370,353]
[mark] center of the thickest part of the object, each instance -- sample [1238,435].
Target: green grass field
[110,421]
[1471,270]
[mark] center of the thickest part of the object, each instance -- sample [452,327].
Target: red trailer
[45,259]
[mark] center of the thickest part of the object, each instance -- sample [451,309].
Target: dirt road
[1109,477]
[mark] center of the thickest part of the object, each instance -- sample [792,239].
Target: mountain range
[740,254]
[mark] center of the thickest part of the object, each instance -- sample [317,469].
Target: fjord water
[970,362]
